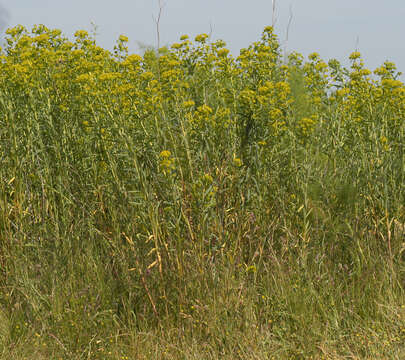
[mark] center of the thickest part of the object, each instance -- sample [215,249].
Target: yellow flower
[83,78]
[173,63]
[354,55]
[77,52]
[365,72]
[268,29]
[147,75]
[15,31]
[166,162]
[207,179]
[342,92]
[313,56]
[81,34]
[123,38]
[201,38]
[384,143]
[188,103]
[306,125]
[134,58]
[109,76]
[223,52]
[169,74]
[41,39]
[391,83]
[237,161]
[381,71]
[204,109]
[247,96]
[263,90]
[165,154]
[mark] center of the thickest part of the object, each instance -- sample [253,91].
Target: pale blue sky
[334,28]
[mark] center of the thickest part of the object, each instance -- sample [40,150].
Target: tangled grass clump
[192,204]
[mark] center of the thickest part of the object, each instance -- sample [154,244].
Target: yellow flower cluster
[166,162]
[201,84]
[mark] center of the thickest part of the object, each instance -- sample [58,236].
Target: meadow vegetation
[191,204]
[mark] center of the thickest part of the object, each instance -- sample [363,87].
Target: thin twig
[59,342]
[273,17]
[157,23]
[289,24]
[288,31]
[145,285]
[211,29]
[389,224]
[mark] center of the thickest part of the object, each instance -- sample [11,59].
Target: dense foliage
[188,204]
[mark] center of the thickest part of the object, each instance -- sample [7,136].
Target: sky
[333,28]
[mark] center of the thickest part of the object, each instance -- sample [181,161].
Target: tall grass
[197,206]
